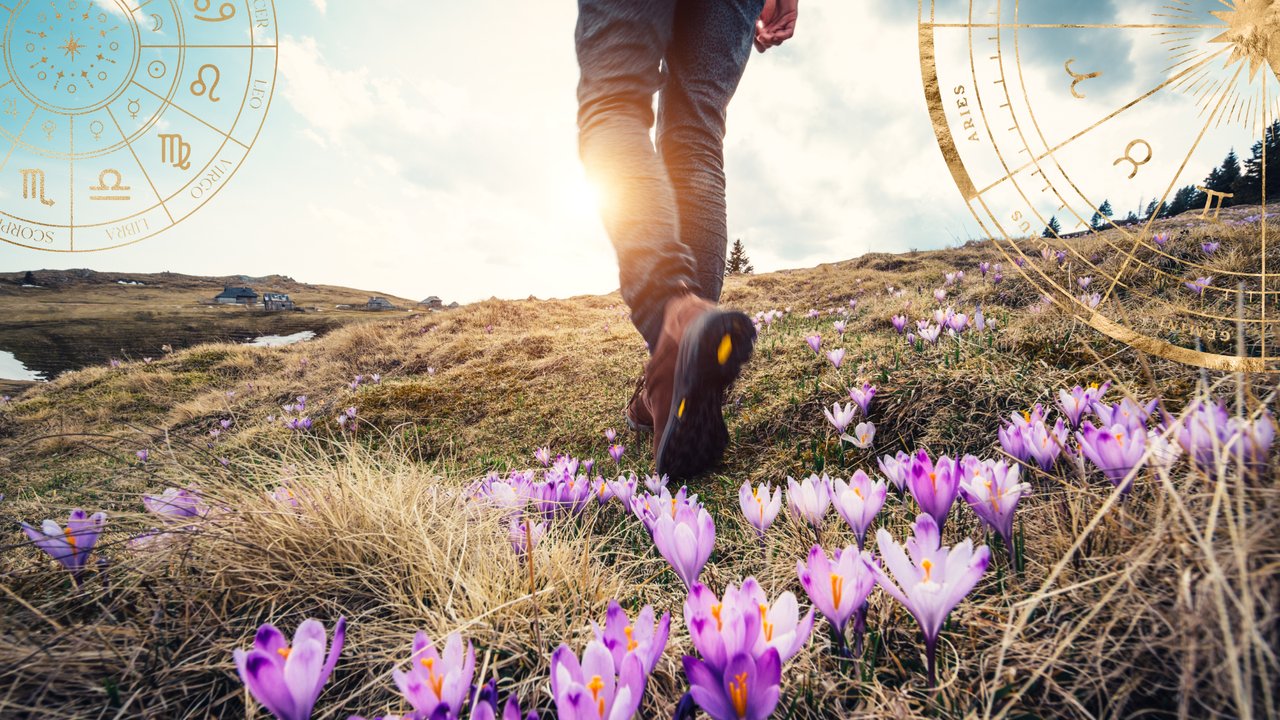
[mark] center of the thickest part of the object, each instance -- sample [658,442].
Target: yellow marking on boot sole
[726,347]
[680,410]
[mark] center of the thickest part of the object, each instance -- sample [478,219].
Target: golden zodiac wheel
[1096,141]
[121,118]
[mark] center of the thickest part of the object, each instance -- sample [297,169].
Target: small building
[433,303]
[236,296]
[378,303]
[272,302]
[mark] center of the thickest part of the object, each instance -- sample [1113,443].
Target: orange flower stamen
[631,643]
[435,681]
[765,626]
[738,694]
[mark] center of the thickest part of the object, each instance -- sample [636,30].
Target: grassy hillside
[1162,602]
[68,319]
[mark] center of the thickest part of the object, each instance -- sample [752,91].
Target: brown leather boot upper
[659,374]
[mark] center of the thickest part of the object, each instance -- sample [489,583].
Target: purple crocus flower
[486,706]
[1116,450]
[863,434]
[1078,401]
[525,534]
[929,579]
[1126,412]
[838,587]
[175,503]
[71,545]
[1210,248]
[1045,444]
[840,416]
[899,322]
[809,499]
[930,333]
[437,686]
[984,267]
[610,435]
[615,452]
[933,485]
[1014,442]
[940,295]
[760,505]
[624,488]
[836,357]
[815,343]
[746,689]
[286,678]
[1201,433]
[143,455]
[744,620]
[993,488]
[839,326]
[644,638]
[596,688]
[1160,239]
[863,396]
[685,539]
[655,483]
[1199,285]
[895,468]
[858,501]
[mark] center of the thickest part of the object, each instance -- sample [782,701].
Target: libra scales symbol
[109,181]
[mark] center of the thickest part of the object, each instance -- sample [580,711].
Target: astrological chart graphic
[1048,112]
[121,118]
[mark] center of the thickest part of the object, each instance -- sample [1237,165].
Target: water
[282,340]
[11,368]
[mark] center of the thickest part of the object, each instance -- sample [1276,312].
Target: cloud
[321,6]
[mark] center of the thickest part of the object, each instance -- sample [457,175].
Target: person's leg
[620,46]
[709,48]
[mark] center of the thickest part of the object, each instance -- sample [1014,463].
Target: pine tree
[1053,229]
[1101,216]
[739,263]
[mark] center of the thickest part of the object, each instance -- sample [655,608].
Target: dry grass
[1160,605]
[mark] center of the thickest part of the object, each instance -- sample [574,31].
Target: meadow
[450,473]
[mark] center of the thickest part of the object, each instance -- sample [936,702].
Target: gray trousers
[663,206]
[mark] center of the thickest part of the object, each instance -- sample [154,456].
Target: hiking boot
[637,413]
[700,352]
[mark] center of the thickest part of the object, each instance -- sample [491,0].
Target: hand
[777,23]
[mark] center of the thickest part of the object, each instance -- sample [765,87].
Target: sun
[584,196]
[1253,30]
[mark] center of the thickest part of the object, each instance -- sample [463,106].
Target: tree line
[1243,181]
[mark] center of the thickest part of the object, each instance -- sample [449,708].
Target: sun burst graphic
[1253,31]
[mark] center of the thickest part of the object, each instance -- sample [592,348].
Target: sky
[431,149]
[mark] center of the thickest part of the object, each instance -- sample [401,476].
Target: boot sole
[712,353]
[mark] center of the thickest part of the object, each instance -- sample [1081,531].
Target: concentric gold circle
[1091,141]
[119,120]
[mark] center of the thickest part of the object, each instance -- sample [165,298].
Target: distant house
[377,303]
[433,303]
[276,301]
[236,296]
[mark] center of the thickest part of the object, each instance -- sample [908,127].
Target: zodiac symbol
[114,186]
[1078,78]
[226,11]
[33,186]
[135,107]
[49,127]
[11,107]
[1129,158]
[96,127]
[1213,195]
[159,22]
[174,150]
[157,69]
[198,86]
